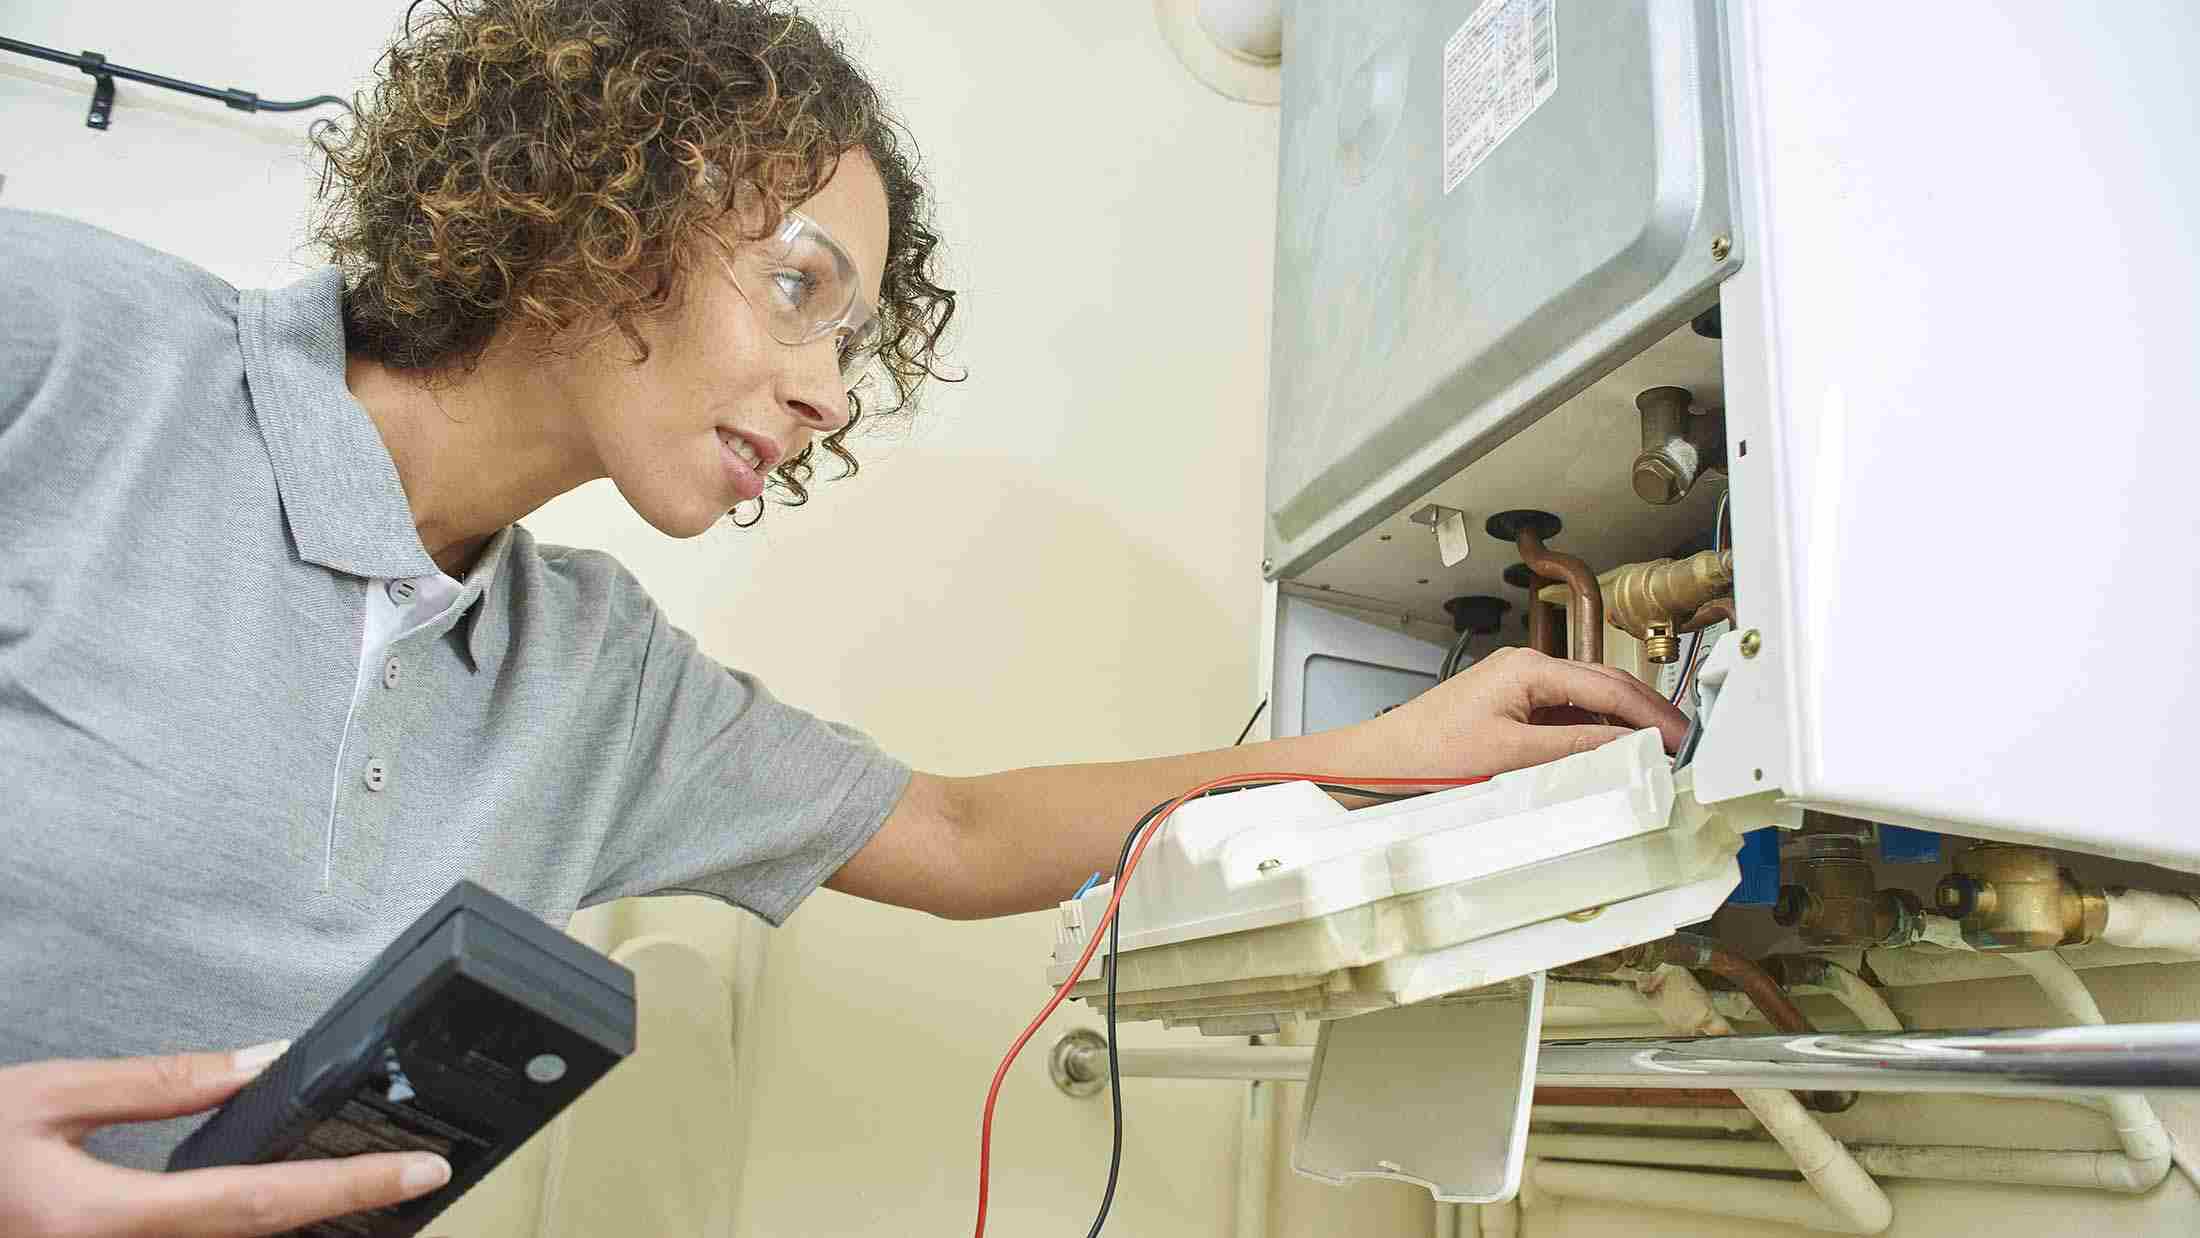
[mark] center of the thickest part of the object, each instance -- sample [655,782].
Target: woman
[277,666]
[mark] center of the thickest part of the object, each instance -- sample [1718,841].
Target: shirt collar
[489,622]
[341,495]
[342,499]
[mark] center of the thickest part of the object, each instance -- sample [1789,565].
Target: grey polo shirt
[210,819]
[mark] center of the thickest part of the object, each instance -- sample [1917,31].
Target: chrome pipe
[2019,1061]
[2024,1061]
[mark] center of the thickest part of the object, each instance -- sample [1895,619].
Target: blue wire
[1090,882]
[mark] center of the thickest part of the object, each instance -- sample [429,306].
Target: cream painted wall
[1058,562]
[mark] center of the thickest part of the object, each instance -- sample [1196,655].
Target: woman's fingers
[251,1200]
[1553,683]
[1534,745]
[80,1096]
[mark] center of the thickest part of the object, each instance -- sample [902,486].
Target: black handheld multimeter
[465,1037]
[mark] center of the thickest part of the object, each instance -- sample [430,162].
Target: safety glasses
[805,288]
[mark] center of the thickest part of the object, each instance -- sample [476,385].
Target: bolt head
[1657,482]
[1751,643]
[1721,246]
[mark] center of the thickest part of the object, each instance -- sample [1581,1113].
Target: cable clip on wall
[103,73]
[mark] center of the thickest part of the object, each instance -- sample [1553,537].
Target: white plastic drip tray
[1435,1094]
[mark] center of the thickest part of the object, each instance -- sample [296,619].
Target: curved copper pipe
[1688,950]
[1542,620]
[1713,611]
[1585,620]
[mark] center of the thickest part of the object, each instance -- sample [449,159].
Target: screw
[1721,246]
[1267,565]
[1751,643]
[1269,866]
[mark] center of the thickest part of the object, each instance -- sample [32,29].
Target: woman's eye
[794,287]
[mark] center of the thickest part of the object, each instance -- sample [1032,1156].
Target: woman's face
[697,428]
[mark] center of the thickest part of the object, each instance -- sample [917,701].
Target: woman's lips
[743,465]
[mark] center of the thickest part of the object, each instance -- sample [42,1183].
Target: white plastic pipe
[1757,1199]
[2145,920]
[1256,1152]
[1840,1196]
[1862,1000]
[2146,1156]
[1663,1150]
[1945,957]
[1589,1003]
[2080,1169]
[1503,1220]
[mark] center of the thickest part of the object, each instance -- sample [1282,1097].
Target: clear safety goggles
[805,288]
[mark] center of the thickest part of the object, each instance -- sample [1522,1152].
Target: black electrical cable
[99,66]
[1249,722]
[1115,1075]
[1451,659]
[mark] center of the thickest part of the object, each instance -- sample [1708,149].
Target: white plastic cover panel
[1436,1095]
[1962,361]
[1416,326]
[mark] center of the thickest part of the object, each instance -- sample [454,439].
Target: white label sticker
[1498,69]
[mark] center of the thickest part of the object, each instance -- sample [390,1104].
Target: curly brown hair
[559,166]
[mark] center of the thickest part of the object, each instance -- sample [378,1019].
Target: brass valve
[2017,898]
[1653,601]
[1680,442]
[1835,900]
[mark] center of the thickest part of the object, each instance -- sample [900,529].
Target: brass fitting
[1653,602]
[2017,898]
[1680,442]
[1835,900]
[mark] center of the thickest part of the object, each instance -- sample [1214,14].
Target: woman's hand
[1517,708]
[51,1188]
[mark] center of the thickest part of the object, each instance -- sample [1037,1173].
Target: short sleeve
[732,793]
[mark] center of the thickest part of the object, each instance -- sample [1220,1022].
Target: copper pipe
[1542,623]
[1585,619]
[1640,1098]
[1689,950]
[1714,611]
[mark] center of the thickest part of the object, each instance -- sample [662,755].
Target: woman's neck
[476,452]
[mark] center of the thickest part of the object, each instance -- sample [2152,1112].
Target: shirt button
[401,591]
[389,673]
[377,773]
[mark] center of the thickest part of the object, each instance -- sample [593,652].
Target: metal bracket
[103,92]
[1450,525]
